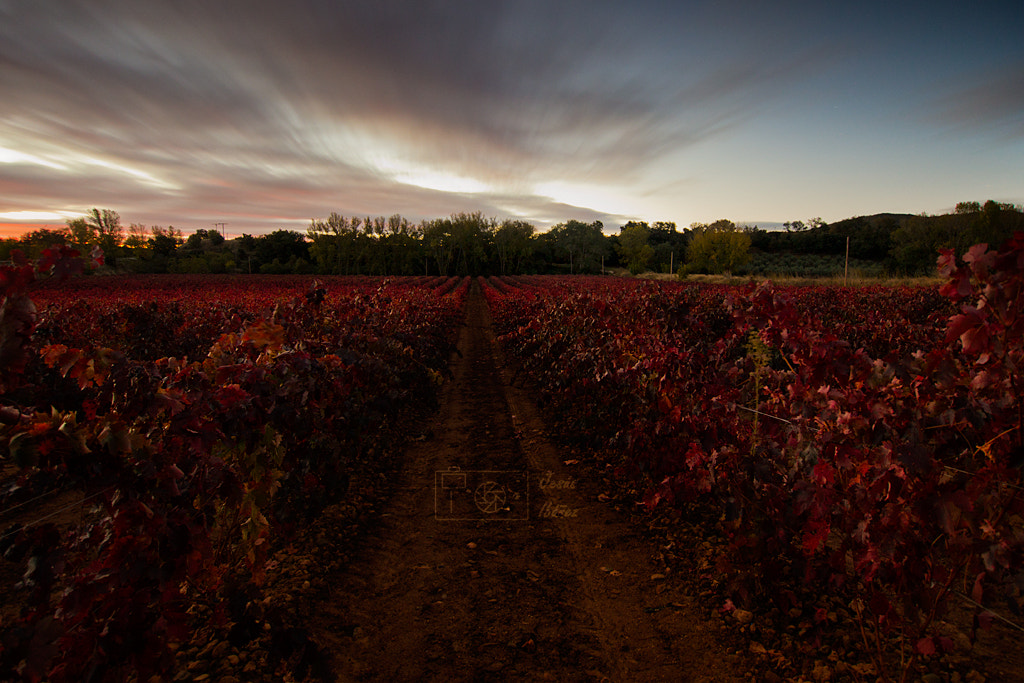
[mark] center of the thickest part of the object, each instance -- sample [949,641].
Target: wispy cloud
[252,108]
[989,102]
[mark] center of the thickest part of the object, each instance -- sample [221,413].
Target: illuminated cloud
[266,114]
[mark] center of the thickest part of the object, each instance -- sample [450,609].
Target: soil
[495,559]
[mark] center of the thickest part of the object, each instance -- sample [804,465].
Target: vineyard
[200,422]
[846,460]
[859,442]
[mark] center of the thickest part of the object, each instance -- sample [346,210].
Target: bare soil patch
[495,559]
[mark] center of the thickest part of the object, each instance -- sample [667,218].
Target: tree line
[472,244]
[461,244]
[885,244]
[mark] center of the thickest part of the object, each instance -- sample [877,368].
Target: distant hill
[897,242]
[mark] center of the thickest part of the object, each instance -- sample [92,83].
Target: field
[512,478]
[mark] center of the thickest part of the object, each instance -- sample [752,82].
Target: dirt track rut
[494,561]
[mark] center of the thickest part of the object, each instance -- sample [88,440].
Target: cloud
[534,89]
[260,112]
[990,103]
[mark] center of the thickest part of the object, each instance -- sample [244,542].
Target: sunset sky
[265,114]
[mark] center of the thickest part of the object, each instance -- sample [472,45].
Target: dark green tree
[513,244]
[282,251]
[164,241]
[916,244]
[439,243]
[582,244]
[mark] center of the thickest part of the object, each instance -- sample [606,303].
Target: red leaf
[975,340]
[823,474]
[969,327]
[926,646]
[815,536]
[959,283]
[946,262]
[980,257]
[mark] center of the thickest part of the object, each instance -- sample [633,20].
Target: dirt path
[507,568]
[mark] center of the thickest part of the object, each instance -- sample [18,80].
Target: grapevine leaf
[814,538]
[977,593]
[823,473]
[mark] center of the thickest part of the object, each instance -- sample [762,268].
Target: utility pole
[220,228]
[846,268]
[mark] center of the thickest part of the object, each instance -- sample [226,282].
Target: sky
[266,114]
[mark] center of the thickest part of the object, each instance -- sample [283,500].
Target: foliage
[582,243]
[919,240]
[809,265]
[513,244]
[470,243]
[634,247]
[717,248]
[869,447]
[203,426]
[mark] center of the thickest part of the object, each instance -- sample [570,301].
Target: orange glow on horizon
[8,230]
[15,230]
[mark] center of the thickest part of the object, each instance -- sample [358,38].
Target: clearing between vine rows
[509,567]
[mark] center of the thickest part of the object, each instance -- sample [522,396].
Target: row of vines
[864,442]
[200,421]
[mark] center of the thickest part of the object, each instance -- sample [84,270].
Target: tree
[401,245]
[472,234]
[513,242]
[633,246]
[916,244]
[100,228]
[138,235]
[34,243]
[669,246]
[440,243]
[81,234]
[203,239]
[109,232]
[335,244]
[717,248]
[583,243]
[165,241]
[283,247]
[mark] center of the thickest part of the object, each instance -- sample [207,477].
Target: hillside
[886,242]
